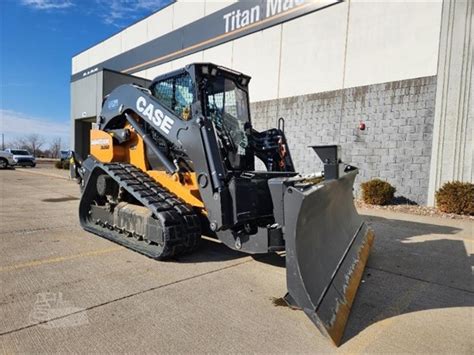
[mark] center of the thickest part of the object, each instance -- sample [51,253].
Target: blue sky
[37,41]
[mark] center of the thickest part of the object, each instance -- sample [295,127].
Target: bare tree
[18,143]
[32,142]
[55,147]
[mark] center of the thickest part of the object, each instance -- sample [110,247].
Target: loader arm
[195,137]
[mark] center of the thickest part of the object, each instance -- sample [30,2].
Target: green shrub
[456,197]
[377,192]
[62,164]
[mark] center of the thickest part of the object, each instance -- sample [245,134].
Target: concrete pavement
[65,290]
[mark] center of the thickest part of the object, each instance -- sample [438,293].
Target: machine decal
[100,141]
[155,116]
[104,143]
[112,104]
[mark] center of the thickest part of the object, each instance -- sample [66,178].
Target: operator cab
[219,94]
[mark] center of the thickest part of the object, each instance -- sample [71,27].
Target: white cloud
[48,4]
[112,12]
[16,125]
[115,12]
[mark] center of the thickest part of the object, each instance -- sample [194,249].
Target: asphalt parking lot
[65,290]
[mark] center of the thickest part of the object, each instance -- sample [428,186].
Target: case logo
[154,115]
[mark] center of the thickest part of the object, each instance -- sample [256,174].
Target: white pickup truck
[22,157]
[6,159]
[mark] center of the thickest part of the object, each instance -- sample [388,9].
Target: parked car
[6,159]
[22,157]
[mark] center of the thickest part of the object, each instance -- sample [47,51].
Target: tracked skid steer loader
[175,161]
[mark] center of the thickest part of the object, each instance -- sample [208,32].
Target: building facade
[402,69]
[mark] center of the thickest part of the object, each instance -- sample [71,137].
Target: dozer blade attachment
[327,246]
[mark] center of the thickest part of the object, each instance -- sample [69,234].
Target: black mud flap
[327,246]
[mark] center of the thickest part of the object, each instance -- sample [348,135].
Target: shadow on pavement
[211,251]
[413,267]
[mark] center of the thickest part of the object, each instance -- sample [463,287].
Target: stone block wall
[395,146]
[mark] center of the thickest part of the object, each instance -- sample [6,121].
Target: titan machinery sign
[234,21]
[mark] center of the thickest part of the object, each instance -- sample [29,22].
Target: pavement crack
[421,280]
[124,298]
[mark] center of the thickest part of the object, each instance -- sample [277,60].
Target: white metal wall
[177,15]
[347,45]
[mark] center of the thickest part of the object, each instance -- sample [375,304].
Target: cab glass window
[176,94]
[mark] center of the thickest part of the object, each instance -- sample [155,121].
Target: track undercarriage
[123,204]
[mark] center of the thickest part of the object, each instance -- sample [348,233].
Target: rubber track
[180,223]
